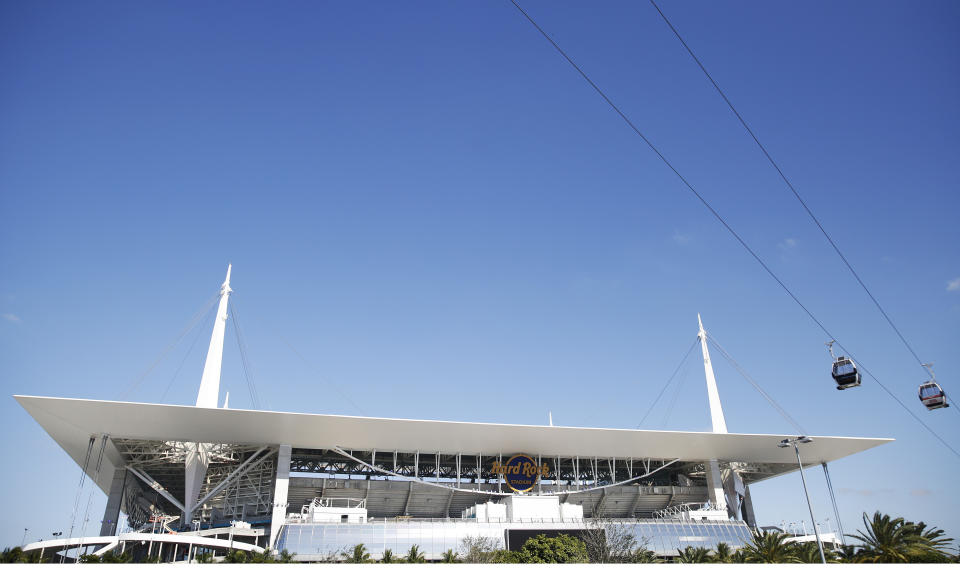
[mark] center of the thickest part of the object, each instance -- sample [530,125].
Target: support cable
[96,479]
[335,388]
[76,502]
[193,322]
[667,384]
[247,368]
[780,410]
[720,218]
[790,186]
[677,391]
[183,361]
[833,500]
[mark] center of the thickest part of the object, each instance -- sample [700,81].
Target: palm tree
[808,552]
[896,541]
[723,554]
[359,555]
[415,556]
[450,557]
[235,557]
[645,556]
[769,548]
[694,555]
[938,542]
[285,557]
[388,557]
[847,554]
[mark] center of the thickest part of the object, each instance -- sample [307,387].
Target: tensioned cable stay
[783,412]
[717,215]
[332,386]
[247,368]
[183,361]
[667,384]
[789,184]
[678,388]
[193,322]
[76,502]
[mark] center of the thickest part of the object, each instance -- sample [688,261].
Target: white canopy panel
[71,422]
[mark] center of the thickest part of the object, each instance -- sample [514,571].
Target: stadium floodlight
[795,442]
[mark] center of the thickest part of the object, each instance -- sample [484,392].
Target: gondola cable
[716,215]
[790,186]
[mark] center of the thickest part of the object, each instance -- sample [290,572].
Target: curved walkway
[111,541]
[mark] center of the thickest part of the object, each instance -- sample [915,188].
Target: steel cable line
[716,215]
[677,390]
[244,360]
[783,412]
[667,384]
[193,322]
[76,502]
[317,372]
[789,184]
[183,361]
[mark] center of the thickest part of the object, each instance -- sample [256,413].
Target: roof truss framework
[238,483]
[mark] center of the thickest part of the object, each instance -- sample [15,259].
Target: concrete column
[747,510]
[280,489]
[111,514]
[715,485]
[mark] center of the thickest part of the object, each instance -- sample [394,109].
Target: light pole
[24,540]
[785,443]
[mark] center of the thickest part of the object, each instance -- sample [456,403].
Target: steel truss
[239,481]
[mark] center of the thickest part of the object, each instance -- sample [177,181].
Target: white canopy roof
[71,422]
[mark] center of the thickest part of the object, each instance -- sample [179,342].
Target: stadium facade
[203,477]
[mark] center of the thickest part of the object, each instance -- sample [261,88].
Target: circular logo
[520,472]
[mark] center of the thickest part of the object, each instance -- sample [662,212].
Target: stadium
[184,480]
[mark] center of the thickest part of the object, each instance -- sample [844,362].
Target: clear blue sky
[432,207]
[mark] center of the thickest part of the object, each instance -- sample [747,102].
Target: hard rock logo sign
[520,473]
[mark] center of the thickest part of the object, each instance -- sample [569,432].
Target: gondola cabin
[932,396]
[845,373]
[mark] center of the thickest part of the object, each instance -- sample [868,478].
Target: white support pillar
[747,510]
[111,514]
[280,490]
[715,485]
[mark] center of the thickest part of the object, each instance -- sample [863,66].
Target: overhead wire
[183,361]
[244,359]
[677,391]
[193,322]
[780,409]
[667,384]
[790,185]
[715,213]
[332,386]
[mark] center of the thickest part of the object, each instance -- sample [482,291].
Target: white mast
[716,410]
[714,476]
[208,396]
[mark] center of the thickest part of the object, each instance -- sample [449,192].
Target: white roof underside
[71,422]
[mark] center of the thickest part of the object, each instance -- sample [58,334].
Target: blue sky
[432,207]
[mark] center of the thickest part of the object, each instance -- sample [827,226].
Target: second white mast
[208,396]
[716,410]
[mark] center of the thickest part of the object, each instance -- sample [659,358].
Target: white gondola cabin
[932,396]
[844,371]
